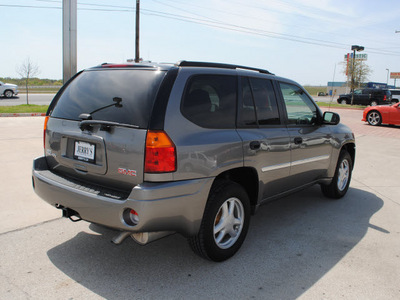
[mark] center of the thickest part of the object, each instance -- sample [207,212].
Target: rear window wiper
[88,116]
[87,121]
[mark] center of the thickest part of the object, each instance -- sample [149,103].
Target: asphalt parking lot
[301,247]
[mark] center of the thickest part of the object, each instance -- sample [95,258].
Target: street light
[354,48]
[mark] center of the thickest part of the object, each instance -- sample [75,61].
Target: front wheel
[225,222]
[343,101]
[374,118]
[8,94]
[341,180]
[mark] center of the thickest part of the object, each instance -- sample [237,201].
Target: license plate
[85,151]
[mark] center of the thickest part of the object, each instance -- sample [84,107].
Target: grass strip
[337,105]
[24,108]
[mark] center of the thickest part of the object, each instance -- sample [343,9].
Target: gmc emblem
[128,172]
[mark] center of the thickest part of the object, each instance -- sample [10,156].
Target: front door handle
[298,140]
[255,145]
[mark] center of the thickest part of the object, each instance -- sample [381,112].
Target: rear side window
[95,89]
[259,106]
[210,101]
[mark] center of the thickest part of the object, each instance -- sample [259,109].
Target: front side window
[300,108]
[210,101]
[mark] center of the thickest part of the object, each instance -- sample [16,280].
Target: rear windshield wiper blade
[104,125]
[88,116]
[88,122]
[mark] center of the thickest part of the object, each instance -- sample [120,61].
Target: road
[301,247]
[38,99]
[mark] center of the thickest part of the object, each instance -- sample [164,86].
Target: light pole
[69,45]
[137,56]
[354,48]
[387,80]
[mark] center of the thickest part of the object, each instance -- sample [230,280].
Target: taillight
[160,156]
[384,98]
[46,119]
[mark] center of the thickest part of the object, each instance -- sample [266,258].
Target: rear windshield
[94,89]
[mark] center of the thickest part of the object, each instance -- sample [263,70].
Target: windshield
[94,89]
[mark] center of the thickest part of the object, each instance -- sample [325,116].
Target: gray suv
[193,148]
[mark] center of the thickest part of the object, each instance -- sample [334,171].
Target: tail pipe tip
[141,238]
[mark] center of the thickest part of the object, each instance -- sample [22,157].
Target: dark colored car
[371,97]
[193,148]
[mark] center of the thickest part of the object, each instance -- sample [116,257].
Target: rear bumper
[166,206]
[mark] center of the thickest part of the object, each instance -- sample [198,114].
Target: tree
[27,70]
[361,72]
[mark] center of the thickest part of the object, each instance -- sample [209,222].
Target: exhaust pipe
[117,240]
[142,238]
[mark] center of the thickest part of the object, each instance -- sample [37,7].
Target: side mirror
[331,118]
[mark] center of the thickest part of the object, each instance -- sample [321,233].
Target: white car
[8,90]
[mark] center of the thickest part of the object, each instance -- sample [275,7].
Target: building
[337,88]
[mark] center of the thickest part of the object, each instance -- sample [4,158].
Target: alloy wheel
[228,223]
[344,174]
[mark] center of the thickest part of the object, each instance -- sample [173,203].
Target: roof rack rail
[184,63]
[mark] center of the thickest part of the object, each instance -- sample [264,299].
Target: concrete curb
[23,115]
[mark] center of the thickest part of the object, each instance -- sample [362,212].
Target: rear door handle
[298,140]
[254,145]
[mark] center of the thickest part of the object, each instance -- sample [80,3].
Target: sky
[304,40]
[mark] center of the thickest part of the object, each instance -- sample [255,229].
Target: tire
[374,118]
[225,222]
[374,103]
[341,181]
[8,94]
[343,101]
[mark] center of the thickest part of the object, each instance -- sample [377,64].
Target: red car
[376,115]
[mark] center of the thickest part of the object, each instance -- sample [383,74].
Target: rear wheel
[341,181]
[225,222]
[374,103]
[374,118]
